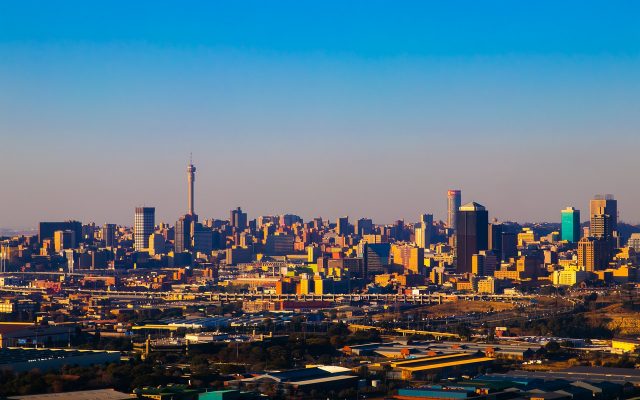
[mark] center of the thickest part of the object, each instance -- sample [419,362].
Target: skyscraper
[364,226]
[603,210]
[454,200]
[109,235]
[570,228]
[48,228]
[143,226]
[495,238]
[238,219]
[183,233]
[64,240]
[342,226]
[191,178]
[472,228]
[422,231]
[592,253]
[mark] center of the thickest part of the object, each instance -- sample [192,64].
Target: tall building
[202,238]
[279,244]
[570,228]
[183,233]
[289,219]
[484,263]
[191,179]
[109,235]
[592,253]
[411,258]
[64,240]
[509,245]
[377,258]
[143,226]
[495,238]
[364,226]
[238,219]
[48,228]
[472,226]
[454,201]
[342,226]
[422,231]
[603,212]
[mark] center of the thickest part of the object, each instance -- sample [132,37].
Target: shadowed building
[592,253]
[472,225]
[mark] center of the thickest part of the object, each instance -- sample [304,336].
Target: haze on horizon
[367,109]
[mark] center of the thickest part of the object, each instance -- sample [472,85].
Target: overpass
[427,298]
[404,332]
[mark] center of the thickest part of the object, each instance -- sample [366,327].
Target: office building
[377,257]
[202,239]
[526,236]
[238,219]
[454,201]
[592,253]
[422,232]
[410,258]
[288,220]
[364,226]
[64,240]
[509,245]
[495,238]
[570,227]
[109,235]
[143,226]
[279,244]
[183,233]
[484,263]
[238,255]
[603,210]
[48,228]
[472,225]
[342,226]
[156,244]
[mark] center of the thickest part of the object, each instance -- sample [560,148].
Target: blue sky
[367,108]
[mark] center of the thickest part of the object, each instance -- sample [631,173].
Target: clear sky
[325,108]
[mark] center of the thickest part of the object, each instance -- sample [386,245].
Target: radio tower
[191,177]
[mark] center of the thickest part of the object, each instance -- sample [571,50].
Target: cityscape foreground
[279,307]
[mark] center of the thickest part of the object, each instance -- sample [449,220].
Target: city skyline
[515,105]
[320,200]
[450,208]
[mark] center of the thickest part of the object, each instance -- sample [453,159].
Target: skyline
[320,110]
[191,170]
